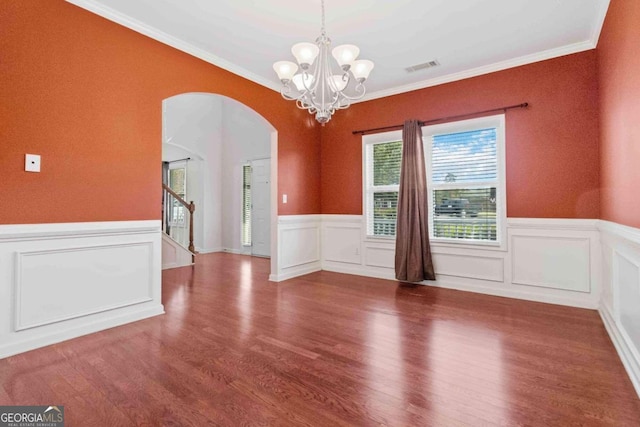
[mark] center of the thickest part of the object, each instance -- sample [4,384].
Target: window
[178,183]
[382,180]
[465,180]
[246,205]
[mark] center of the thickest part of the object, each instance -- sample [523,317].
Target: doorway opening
[225,136]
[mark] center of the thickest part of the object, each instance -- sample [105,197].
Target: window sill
[437,243]
[488,246]
[380,239]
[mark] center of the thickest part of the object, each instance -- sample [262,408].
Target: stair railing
[177,218]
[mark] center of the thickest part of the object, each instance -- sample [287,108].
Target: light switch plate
[32,163]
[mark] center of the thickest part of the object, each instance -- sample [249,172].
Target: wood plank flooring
[330,350]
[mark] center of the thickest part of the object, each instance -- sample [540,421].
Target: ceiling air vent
[423,66]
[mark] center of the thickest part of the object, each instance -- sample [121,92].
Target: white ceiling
[467,37]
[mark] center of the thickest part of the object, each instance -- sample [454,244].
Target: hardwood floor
[330,349]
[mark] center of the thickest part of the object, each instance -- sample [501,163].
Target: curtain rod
[179,160]
[441,119]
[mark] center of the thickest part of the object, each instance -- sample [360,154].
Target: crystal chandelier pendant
[318,84]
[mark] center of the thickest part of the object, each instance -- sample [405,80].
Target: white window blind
[465,180]
[246,205]
[382,161]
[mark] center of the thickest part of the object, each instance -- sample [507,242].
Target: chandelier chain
[322,30]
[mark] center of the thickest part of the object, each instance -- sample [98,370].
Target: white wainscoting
[620,307]
[547,260]
[173,254]
[298,246]
[61,281]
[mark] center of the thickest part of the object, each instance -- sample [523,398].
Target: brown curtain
[413,253]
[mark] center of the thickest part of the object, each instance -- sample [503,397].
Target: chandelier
[317,88]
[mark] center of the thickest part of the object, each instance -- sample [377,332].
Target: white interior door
[260,211]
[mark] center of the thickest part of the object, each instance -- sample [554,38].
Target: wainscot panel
[298,246]
[60,281]
[620,307]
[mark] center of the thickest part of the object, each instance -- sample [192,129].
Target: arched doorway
[220,137]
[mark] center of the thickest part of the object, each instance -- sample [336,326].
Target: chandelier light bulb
[285,70]
[345,55]
[305,54]
[361,69]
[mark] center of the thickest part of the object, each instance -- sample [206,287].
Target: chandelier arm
[287,92]
[341,102]
[345,78]
[314,84]
[344,106]
[359,88]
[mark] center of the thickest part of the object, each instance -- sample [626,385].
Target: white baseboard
[358,270]
[109,322]
[626,351]
[237,251]
[210,250]
[296,271]
[462,284]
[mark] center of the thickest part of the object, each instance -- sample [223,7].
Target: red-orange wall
[552,147]
[619,75]
[86,94]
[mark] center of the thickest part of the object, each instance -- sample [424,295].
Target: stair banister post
[192,208]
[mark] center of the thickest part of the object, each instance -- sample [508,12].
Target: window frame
[367,178]
[494,121]
[497,122]
[242,206]
[178,210]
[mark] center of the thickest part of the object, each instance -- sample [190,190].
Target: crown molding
[135,25]
[597,29]
[485,69]
[144,29]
